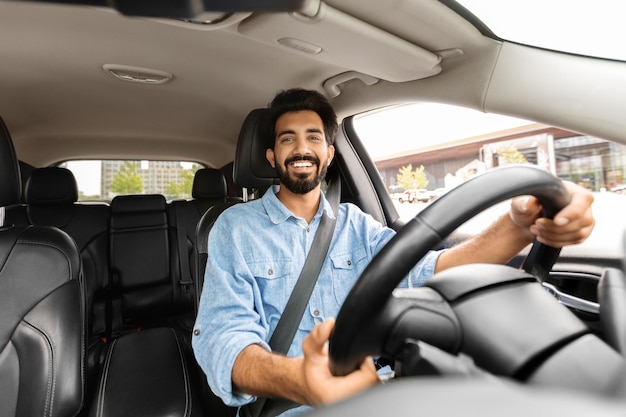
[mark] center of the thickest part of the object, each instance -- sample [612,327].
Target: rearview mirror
[187,9]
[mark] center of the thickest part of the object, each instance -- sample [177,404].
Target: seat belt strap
[185,280]
[286,329]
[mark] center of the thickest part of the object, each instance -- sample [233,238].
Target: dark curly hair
[298,99]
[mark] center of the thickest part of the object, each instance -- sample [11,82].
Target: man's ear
[269,155]
[331,153]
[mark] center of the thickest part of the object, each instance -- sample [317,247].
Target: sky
[594,28]
[87,175]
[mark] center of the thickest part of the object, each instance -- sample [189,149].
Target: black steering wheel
[359,329]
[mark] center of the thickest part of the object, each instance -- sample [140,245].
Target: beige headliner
[59,103]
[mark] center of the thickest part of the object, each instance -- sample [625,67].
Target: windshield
[592,28]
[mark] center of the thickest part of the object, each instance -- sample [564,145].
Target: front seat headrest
[51,186]
[10,179]
[251,169]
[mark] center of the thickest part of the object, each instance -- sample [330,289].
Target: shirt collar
[278,213]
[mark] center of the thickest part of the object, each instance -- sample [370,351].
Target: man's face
[300,155]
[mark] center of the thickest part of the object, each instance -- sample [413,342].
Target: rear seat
[146,261]
[132,268]
[209,190]
[129,252]
[146,285]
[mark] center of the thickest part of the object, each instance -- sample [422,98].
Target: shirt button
[349,262]
[316,312]
[196,332]
[270,271]
[308,230]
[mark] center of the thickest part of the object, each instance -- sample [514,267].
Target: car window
[104,179]
[561,25]
[424,150]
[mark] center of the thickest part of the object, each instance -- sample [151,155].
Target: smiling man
[256,252]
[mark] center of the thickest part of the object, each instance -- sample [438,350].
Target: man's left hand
[573,224]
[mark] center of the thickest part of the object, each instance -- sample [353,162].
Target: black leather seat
[42,325]
[51,197]
[147,367]
[209,188]
[145,288]
[250,170]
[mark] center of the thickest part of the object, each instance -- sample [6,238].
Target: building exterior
[591,162]
[156,176]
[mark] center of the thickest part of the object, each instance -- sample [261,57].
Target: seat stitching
[103,380]
[49,403]
[188,399]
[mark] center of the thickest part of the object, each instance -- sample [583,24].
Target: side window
[424,150]
[104,179]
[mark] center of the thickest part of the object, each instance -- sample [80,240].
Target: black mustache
[295,158]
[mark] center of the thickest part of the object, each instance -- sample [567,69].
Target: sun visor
[342,40]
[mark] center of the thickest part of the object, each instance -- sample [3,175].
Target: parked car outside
[437,192]
[417,195]
[397,193]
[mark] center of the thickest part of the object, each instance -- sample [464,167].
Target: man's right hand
[322,385]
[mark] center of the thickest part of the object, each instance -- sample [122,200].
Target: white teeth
[302,164]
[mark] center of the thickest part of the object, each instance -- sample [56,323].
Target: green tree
[127,180]
[511,156]
[182,187]
[412,178]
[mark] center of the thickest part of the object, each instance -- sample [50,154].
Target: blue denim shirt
[256,251]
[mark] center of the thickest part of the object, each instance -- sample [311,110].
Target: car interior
[99,297]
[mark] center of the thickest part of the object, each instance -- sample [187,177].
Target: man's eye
[286,139]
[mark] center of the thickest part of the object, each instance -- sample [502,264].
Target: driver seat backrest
[42,326]
[250,170]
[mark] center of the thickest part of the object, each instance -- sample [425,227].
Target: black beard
[301,184]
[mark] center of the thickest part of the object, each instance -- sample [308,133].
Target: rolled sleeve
[423,270]
[220,371]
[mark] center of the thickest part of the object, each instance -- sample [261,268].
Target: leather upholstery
[140,257]
[145,374]
[202,235]
[51,186]
[42,334]
[51,195]
[250,168]
[208,184]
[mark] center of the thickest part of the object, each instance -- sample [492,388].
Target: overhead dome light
[208,18]
[206,21]
[137,74]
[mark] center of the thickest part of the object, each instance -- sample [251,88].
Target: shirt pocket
[346,268]
[273,277]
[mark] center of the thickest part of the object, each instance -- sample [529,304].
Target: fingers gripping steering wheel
[352,338]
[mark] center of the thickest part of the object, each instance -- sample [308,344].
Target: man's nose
[302,145]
